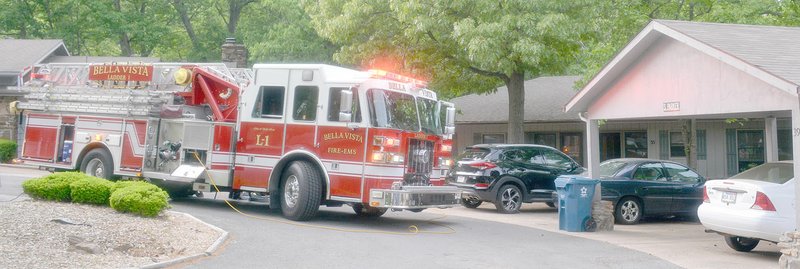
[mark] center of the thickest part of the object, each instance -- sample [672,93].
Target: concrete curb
[209,251]
[19,165]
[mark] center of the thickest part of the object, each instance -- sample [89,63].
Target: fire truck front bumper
[416,197]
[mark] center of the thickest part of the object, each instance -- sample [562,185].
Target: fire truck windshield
[390,109]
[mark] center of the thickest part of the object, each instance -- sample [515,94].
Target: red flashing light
[377,73]
[705,195]
[483,165]
[763,203]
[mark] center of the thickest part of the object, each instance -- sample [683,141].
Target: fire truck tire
[301,191]
[98,163]
[368,211]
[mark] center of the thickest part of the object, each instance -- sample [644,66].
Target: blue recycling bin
[575,203]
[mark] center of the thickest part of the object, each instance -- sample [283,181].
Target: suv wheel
[471,202]
[509,199]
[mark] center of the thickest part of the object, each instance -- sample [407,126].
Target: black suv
[509,175]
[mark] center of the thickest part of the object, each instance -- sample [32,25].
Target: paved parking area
[682,242]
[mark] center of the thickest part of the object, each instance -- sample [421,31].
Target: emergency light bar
[376,73]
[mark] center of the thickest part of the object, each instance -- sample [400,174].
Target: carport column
[795,156]
[593,154]
[790,244]
[771,138]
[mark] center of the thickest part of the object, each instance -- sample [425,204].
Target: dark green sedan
[645,187]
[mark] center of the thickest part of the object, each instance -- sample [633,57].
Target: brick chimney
[234,55]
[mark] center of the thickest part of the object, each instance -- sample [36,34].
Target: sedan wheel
[629,211]
[509,199]
[742,244]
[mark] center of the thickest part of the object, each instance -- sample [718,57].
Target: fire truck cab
[304,134]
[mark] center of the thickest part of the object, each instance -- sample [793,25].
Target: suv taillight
[482,165]
[763,203]
[705,195]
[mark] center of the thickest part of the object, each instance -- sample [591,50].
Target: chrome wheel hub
[630,210]
[291,191]
[510,199]
[95,168]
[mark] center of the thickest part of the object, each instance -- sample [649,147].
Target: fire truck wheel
[301,190]
[98,163]
[368,211]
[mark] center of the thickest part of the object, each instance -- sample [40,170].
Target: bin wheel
[589,224]
[471,202]
[550,204]
[742,244]
[628,211]
[509,199]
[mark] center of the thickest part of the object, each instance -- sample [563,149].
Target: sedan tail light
[763,203]
[705,195]
[482,165]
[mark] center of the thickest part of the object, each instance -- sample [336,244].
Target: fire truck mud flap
[416,197]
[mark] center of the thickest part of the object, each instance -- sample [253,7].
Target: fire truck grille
[420,163]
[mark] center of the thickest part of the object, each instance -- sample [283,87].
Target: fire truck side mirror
[346,106]
[450,125]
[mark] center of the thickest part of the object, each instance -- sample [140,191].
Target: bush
[139,198]
[8,150]
[52,187]
[91,190]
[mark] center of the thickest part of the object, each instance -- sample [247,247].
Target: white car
[754,205]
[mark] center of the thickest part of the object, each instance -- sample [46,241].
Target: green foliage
[54,187]
[139,198]
[91,190]
[8,150]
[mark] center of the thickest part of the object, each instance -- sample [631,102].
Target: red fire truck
[304,134]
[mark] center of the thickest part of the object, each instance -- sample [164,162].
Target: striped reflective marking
[260,161]
[383,171]
[99,125]
[133,138]
[44,122]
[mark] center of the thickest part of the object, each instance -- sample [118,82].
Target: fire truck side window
[269,103]
[305,103]
[334,105]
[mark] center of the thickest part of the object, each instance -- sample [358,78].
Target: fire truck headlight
[447,148]
[377,194]
[379,157]
[382,141]
[445,162]
[397,158]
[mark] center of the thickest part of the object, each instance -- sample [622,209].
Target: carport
[676,70]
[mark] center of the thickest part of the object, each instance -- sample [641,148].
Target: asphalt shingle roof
[544,101]
[774,49]
[17,54]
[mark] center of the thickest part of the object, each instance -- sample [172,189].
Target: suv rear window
[472,154]
[769,172]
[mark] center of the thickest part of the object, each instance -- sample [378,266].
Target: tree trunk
[124,40]
[689,131]
[235,8]
[187,24]
[516,107]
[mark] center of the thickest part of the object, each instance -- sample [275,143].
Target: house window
[636,144]
[750,148]
[676,145]
[493,138]
[541,139]
[571,146]
[784,144]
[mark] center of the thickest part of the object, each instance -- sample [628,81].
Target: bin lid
[563,180]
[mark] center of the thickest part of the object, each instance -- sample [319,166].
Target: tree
[465,46]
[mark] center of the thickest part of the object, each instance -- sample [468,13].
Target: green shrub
[52,187]
[8,150]
[139,198]
[91,190]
